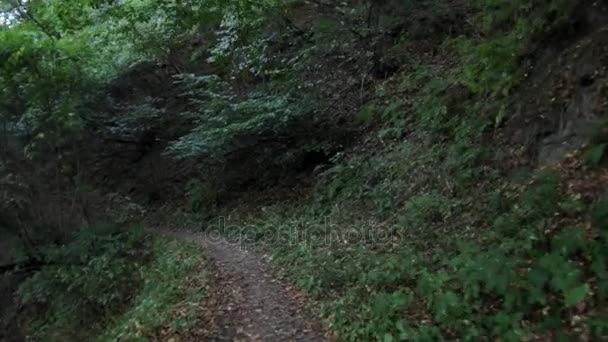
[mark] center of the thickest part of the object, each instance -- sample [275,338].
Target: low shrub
[84,282]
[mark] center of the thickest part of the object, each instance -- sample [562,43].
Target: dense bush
[84,282]
[113,285]
[174,280]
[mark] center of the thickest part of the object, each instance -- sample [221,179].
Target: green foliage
[40,90]
[85,282]
[326,39]
[425,209]
[490,67]
[227,123]
[541,200]
[61,53]
[165,290]
[483,286]
[541,15]
[432,108]
[366,114]
[241,48]
[271,130]
[112,283]
[199,194]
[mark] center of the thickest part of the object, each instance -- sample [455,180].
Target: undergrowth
[512,261]
[422,237]
[169,299]
[110,284]
[84,282]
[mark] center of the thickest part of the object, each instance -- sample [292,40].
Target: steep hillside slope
[477,212]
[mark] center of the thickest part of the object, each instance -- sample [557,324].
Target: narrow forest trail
[248,302]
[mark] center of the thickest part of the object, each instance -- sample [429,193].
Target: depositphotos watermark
[325,233]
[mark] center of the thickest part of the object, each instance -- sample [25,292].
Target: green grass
[167,289]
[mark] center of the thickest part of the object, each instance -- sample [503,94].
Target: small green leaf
[576,295]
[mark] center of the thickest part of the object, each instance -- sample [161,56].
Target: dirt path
[248,302]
